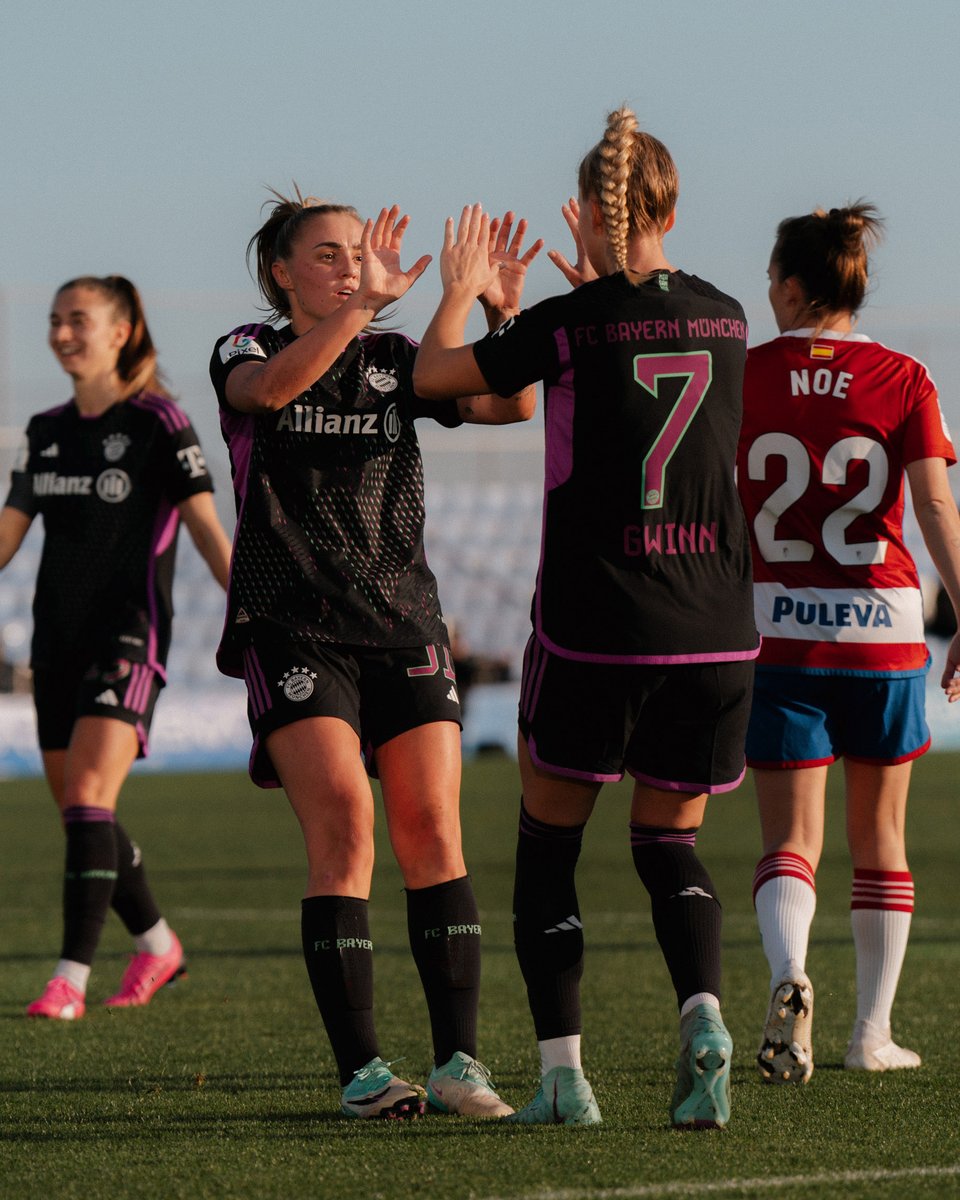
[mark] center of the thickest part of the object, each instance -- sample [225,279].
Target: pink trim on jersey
[558,435]
[889,891]
[256,681]
[142,740]
[640,659]
[696,789]
[57,409]
[164,531]
[138,689]
[568,772]
[534,666]
[170,414]
[780,863]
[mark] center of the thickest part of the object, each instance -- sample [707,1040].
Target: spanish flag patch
[821,350]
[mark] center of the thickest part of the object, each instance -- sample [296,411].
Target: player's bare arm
[939,523]
[13,529]
[199,514]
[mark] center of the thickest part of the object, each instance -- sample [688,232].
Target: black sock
[547,931]
[339,956]
[89,877]
[444,928]
[132,900]
[686,911]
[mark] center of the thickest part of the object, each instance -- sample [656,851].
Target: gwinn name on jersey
[329,493]
[830,423]
[107,489]
[645,556]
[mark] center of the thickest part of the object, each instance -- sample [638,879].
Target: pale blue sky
[138,138]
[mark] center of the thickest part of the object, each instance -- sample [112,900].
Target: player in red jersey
[333,621]
[112,473]
[832,421]
[643,638]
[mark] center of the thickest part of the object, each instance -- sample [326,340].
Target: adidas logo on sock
[108,697]
[566,926]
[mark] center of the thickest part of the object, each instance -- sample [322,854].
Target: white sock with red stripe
[785,897]
[881,908]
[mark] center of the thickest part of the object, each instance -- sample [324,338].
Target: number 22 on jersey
[836,462]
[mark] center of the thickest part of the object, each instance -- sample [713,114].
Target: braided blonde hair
[634,179]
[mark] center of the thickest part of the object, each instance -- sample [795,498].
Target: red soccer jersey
[828,427]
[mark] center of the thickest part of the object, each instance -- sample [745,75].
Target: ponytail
[634,179]
[827,252]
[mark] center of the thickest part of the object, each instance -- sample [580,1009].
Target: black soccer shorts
[378,693]
[678,728]
[118,689]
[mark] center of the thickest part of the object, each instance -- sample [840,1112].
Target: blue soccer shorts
[801,719]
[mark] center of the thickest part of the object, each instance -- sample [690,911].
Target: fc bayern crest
[115,447]
[297,683]
[383,381]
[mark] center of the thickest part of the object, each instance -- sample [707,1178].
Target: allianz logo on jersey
[314,418]
[112,485]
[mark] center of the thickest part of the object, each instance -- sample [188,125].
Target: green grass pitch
[224,1086]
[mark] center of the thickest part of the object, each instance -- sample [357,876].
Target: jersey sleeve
[241,345]
[403,353]
[925,432]
[519,353]
[21,495]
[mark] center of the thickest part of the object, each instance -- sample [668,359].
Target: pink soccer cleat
[60,1001]
[146,975]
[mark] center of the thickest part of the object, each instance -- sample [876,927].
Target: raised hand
[504,292]
[382,279]
[465,264]
[581,271]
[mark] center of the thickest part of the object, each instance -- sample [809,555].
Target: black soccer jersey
[107,488]
[329,490]
[645,556]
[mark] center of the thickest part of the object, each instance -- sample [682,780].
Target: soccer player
[831,422]
[643,632]
[111,472]
[333,621]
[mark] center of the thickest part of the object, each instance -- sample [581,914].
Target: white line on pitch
[650,1191]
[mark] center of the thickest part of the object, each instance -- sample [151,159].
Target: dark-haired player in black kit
[111,472]
[643,639]
[334,623]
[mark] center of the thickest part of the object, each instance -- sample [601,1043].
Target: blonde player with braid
[641,656]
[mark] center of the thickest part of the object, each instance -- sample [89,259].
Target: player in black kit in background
[334,623]
[643,637]
[111,472]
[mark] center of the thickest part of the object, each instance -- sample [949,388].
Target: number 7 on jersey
[695,367]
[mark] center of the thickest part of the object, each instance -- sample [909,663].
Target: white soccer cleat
[463,1086]
[873,1049]
[786,1052]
